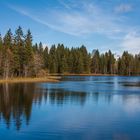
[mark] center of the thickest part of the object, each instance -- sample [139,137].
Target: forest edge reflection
[17,100]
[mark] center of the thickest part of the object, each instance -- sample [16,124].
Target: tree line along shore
[21,58]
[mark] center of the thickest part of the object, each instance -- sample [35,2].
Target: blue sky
[98,24]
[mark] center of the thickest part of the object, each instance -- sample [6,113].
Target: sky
[97,24]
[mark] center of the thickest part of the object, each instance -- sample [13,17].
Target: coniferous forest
[19,57]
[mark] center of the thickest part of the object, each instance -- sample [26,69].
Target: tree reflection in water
[16,101]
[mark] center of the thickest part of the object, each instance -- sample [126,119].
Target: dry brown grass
[84,74]
[31,80]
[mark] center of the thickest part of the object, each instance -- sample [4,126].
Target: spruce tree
[28,54]
[53,64]
[95,62]
[19,52]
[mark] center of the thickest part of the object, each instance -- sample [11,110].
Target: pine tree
[53,64]
[8,39]
[20,57]
[103,64]
[16,59]
[111,62]
[28,53]
[1,60]
[7,55]
[79,63]
[136,69]
[40,49]
[19,52]
[86,59]
[95,62]
[46,57]
[61,59]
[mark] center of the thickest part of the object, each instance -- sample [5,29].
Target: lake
[78,107]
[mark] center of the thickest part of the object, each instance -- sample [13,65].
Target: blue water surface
[78,107]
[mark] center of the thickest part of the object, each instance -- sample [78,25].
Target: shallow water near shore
[78,107]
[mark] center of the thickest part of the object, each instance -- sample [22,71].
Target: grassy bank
[31,80]
[90,74]
[50,78]
[86,74]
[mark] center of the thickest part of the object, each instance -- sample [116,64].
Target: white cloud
[123,8]
[131,42]
[88,19]
[67,6]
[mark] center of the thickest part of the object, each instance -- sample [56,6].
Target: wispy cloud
[123,8]
[131,42]
[67,6]
[88,19]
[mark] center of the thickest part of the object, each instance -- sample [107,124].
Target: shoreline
[52,78]
[85,74]
[89,74]
[31,80]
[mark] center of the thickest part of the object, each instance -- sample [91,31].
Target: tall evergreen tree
[86,59]
[28,53]
[1,60]
[111,62]
[53,64]
[7,54]
[19,52]
[20,57]
[95,62]
[46,57]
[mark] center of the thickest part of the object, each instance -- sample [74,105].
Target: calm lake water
[81,108]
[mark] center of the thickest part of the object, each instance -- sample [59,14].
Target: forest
[19,57]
